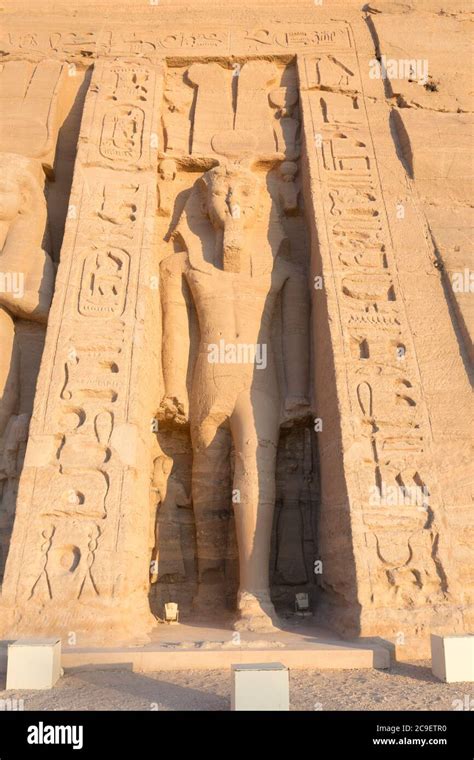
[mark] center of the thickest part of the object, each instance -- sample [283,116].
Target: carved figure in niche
[167,560]
[284,100]
[176,121]
[167,174]
[288,189]
[27,271]
[232,271]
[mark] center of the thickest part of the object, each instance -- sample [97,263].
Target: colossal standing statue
[26,289]
[29,124]
[233,272]
[27,270]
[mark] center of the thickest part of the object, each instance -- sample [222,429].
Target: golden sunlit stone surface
[235,309]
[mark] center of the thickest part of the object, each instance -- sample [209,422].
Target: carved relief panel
[191,185]
[77,510]
[397,510]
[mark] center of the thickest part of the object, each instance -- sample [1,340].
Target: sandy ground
[403,687]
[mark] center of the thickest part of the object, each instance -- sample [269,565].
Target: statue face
[10,199]
[232,198]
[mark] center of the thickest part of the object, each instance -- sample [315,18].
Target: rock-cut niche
[234,492]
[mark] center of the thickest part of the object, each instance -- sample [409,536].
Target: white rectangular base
[33,663]
[260,686]
[452,658]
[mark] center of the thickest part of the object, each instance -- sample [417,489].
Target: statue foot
[256,613]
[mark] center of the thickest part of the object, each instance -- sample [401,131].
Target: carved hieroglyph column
[79,556]
[387,526]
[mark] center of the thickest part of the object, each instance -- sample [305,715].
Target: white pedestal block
[33,663]
[452,658]
[264,686]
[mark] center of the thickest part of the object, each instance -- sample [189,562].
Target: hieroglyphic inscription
[157,42]
[390,418]
[78,530]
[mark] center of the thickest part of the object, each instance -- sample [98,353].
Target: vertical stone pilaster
[79,556]
[386,546]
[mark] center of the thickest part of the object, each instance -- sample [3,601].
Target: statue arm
[31,297]
[296,314]
[176,340]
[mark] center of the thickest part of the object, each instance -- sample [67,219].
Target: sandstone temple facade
[233,366]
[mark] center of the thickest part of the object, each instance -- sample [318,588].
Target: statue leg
[255,430]
[9,369]
[211,503]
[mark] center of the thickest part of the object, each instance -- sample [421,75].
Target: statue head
[230,195]
[230,199]
[288,171]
